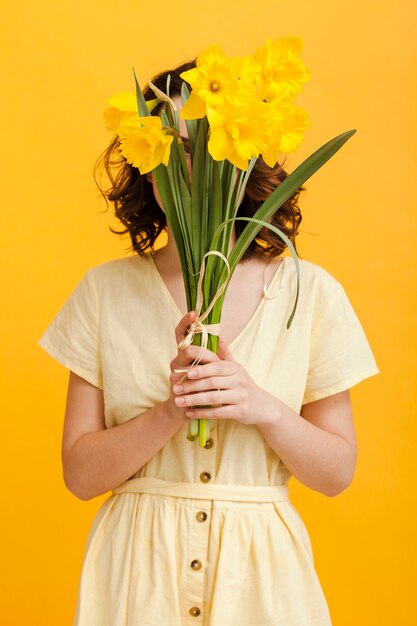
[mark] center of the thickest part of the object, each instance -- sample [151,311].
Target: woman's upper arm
[334,414]
[84,411]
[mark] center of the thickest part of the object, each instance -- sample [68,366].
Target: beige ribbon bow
[197,326]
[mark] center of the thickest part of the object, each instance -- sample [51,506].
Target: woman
[204,535]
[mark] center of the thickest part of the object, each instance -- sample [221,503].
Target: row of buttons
[201,516]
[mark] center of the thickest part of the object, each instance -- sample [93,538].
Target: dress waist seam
[204,491]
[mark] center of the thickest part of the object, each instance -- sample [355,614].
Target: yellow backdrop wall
[61,61]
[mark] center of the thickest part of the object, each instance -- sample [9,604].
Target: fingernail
[192,373]
[178,388]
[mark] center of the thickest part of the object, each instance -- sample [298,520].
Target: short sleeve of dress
[340,355]
[72,338]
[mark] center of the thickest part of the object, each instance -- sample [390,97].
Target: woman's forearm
[102,460]
[319,459]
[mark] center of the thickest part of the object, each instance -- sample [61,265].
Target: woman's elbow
[337,487]
[75,487]
[341,482]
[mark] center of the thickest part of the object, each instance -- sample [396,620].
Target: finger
[216,368]
[187,356]
[181,330]
[203,384]
[224,351]
[227,411]
[178,377]
[224,396]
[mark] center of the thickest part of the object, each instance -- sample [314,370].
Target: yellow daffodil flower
[144,143]
[123,107]
[214,85]
[247,101]
[294,121]
[282,71]
[244,132]
[246,69]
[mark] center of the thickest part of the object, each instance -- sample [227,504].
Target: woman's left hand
[227,383]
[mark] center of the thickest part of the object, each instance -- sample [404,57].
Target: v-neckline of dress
[249,322]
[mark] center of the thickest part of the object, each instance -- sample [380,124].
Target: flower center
[214,86]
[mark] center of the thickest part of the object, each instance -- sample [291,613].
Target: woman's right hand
[183,361]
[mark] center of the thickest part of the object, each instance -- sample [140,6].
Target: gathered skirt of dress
[178,554]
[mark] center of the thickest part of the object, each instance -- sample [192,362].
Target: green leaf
[215,198]
[192,125]
[165,190]
[178,156]
[302,173]
[167,115]
[142,107]
[164,118]
[185,197]
[242,182]
[197,194]
[284,191]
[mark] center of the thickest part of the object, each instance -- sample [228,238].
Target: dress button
[201,516]
[208,444]
[195,611]
[205,477]
[196,564]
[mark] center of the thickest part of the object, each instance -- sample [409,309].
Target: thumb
[224,351]
[181,330]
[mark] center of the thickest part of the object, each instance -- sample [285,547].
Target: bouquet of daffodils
[238,109]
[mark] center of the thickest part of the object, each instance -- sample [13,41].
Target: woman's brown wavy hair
[136,208]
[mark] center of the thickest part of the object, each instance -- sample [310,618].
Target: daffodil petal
[241,164]
[145,144]
[190,76]
[124,101]
[194,108]
[114,118]
[210,55]
[294,44]
[220,144]
[271,155]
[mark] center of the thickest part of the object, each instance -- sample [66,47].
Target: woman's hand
[222,380]
[183,360]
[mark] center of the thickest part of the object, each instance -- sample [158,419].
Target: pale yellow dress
[204,535]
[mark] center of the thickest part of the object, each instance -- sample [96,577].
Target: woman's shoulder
[318,285]
[120,278]
[120,269]
[315,275]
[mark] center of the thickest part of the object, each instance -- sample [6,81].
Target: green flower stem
[201,428]
[192,430]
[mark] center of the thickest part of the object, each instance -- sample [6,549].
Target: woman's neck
[169,257]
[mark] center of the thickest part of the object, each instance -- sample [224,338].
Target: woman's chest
[244,297]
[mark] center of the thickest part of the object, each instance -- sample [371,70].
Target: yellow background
[61,60]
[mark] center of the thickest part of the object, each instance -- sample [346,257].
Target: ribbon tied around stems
[197,326]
